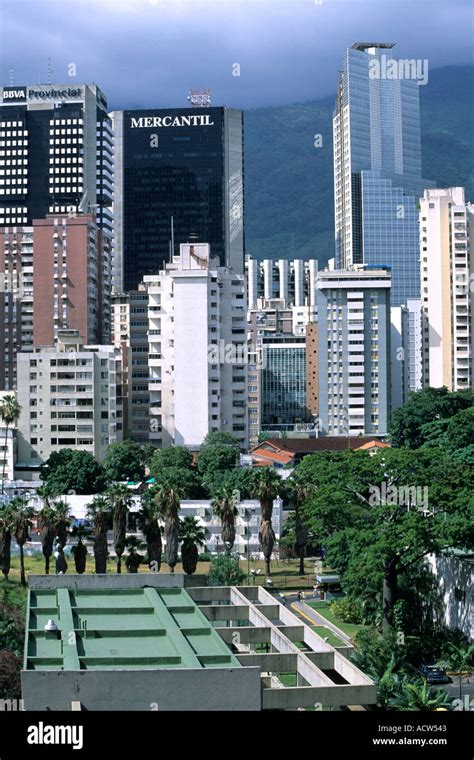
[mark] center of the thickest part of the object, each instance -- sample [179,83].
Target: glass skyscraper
[284,381]
[377,165]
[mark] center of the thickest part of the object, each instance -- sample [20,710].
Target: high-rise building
[178,177]
[130,332]
[283,384]
[56,276]
[292,281]
[68,396]
[352,342]
[377,166]
[447,273]
[56,155]
[197,356]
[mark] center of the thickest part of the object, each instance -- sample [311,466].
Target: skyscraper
[55,153]
[377,165]
[447,270]
[178,174]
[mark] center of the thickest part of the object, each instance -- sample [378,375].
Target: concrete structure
[56,275]
[130,332]
[57,142]
[68,395]
[283,389]
[455,575]
[447,272]
[197,356]
[377,166]
[143,643]
[178,173]
[399,356]
[291,281]
[353,349]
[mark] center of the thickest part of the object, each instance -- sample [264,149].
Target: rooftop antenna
[50,71]
[199,98]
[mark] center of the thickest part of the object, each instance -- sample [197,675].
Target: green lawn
[351,629]
[333,640]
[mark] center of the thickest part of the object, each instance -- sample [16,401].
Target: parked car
[433,674]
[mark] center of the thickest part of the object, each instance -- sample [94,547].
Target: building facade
[447,272]
[56,153]
[178,174]
[283,384]
[56,275]
[291,281]
[353,352]
[377,166]
[197,356]
[68,395]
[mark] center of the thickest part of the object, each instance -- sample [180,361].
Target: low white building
[247,521]
[455,575]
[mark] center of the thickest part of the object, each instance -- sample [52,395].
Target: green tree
[425,406]
[120,501]
[459,659]
[5,538]
[98,510]
[225,571]
[267,486]
[148,522]
[216,459]
[47,523]
[375,529]
[171,456]
[62,522]
[192,536]
[416,696]
[21,522]
[454,434]
[134,559]
[299,491]
[74,471]
[224,507]
[124,461]
[79,551]
[221,438]
[168,498]
[10,411]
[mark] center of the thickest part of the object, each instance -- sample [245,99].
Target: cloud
[149,53]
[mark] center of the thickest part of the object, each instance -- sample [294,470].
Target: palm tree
[418,696]
[47,521]
[120,500]
[133,559]
[301,491]
[10,411]
[79,550]
[21,522]
[168,499]
[223,505]
[98,511]
[192,536]
[62,524]
[148,516]
[459,660]
[266,487]
[5,538]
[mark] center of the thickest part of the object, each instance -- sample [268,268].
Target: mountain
[288,181]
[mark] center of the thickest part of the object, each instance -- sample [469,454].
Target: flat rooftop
[137,628]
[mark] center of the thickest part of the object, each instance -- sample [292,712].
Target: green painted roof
[144,628]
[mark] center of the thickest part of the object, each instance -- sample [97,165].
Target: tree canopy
[409,424]
[124,461]
[71,470]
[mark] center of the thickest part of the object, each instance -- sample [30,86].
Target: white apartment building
[447,276]
[352,344]
[293,281]
[68,395]
[197,350]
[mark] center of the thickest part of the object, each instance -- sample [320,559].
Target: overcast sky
[149,53]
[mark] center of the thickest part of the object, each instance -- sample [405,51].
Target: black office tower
[178,173]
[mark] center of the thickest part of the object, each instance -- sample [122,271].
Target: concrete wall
[114,581]
[133,690]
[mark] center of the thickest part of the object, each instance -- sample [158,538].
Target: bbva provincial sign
[191,120]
